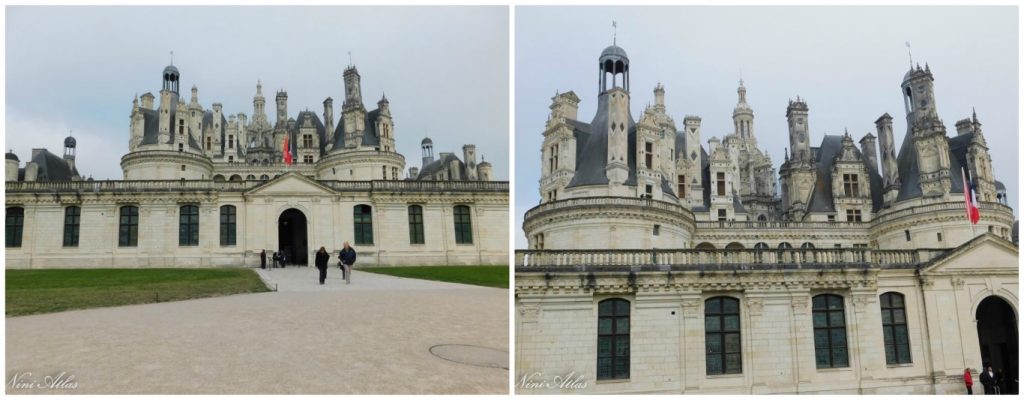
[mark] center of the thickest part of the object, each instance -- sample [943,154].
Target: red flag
[287,152]
[970,204]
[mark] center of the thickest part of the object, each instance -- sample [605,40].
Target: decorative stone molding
[755,306]
[529,313]
[957,283]
[691,308]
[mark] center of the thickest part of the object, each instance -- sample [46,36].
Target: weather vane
[172,57]
[350,59]
[614,32]
[910,55]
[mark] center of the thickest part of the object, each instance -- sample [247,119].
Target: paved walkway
[372,336]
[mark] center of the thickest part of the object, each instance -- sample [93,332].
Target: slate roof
[370,134]
[51,168]
[151,125]
[906,163]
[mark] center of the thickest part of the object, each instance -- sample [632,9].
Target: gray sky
[444,69]
[847,62]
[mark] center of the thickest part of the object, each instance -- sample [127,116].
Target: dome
[614,51]
[11,156]
[170,69]
[70,142]
[426,141]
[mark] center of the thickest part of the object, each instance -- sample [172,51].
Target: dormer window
[851,186]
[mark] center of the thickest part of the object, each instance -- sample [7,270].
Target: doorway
[292,236]
[997,335]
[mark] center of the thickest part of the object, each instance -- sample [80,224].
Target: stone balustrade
[229,186]
[604,201]
[725,258]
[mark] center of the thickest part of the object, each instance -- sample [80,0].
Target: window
[416,225]
[721,214]
[829,331]
[181,147]
[761,246]
[363,221]
[894,329]
[938,236]
[231,159]
[209,142]
[15,225]
[649,155]
[721,183]
[785,245]
[72,221]
[307,159]
[463,225]
[183,167]
[613,339]
[722,336]
[231,141]
[681,190]
[128,231]
[384,173]
[907,233]
[850,186]
[807,245]
[831,218]
[853,216]
[307,141]
[648,191]
[188,226]
[657,230]
[394,173]
[227,225]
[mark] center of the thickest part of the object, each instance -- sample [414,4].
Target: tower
[799,137]
[353,93]
[329,114]
[353,113]
[614,94]
[469,157]
[168,104]
[797,173]
[743,117]
[259,104]
[385,126]
[282,109]
[171,78]
[927,132]
[69,151]
[428,151]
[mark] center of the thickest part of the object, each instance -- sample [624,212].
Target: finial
[974,115]
[910,55]
[615,32]
[172,57]
[741,76]
[350,59]
[69,133]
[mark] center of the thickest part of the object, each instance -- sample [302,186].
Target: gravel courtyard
[373,336]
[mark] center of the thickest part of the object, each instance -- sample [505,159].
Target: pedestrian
[276,258]
[988,380]
[263,259]
[321,263]
[284,258]
[968,381]
[1000,382]
[348,258]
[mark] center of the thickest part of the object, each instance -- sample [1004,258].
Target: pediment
[291,184]
[987,253]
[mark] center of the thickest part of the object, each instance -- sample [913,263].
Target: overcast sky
[847,62]
[444,69]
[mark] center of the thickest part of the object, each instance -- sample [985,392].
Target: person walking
[275,259]
[348,258]
[968,381]
[988,380]
[321,263]
[284,258]
[263,259]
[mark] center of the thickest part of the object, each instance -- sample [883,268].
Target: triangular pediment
[291,184]
[987,254]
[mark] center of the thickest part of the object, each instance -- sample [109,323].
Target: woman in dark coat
[321,263]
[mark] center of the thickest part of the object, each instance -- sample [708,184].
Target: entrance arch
[997,337]
[292,236]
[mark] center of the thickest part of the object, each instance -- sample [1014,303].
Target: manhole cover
[472,355]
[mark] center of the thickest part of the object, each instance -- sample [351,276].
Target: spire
[172,57]
[910,55]
[615,32]
[974,115]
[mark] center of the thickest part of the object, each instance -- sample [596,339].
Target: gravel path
[372,336]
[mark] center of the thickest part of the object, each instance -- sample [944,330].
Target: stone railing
[933,208]
[780,225]
[226,186]
[724,258]
[604,201]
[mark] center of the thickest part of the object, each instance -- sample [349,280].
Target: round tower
[11,166]
[428,151]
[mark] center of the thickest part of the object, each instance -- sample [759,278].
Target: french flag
[970,199]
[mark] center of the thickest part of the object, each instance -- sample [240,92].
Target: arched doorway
[997,336]
[291,236]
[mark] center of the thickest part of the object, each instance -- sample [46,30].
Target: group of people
[346,258]
[992,381]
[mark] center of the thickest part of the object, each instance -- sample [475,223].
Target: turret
[614,68]
[11,166]
[259,104]
[743,115]
[484,170]
[659,97]
[927,132]
[469,157]
[282,109]
[799,136]
[329,114]
[565,105]
[867,147]
[70,145]
[428,151]
[353,92]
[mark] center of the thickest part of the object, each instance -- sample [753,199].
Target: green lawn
[52,290]
[481,275]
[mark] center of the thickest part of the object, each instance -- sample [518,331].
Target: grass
[53,290]
[480,275]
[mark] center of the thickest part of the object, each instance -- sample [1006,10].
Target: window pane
[890,354]
[885,300]
[713,343]
[732,343]
[887,334]
[732,364]
[621,346]
[732,323]
[897,300]
[712,324]
[900,332]
[714,364]
[820,338]
[622,326]
[838,337]
[839,357]
[886,316]
[819,302]
[821,357]
[605,308]
[713,306]
[820,319]
[604,368]
[621,307]
[730,306]
[604,346]
[835,318]
[835,303]
[898,316]
[604,326]
[903,353]
[621,368]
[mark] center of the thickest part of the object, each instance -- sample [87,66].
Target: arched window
[236,178]
[15,225]
[722,336]
[785,245]
[250,177]
[894,329]
[188,226]
[807,245]
[761,246]
[734,246]
[128,230]
[416,224]
[227,225]
[218,178]
[463,225]
[613,339]
[72,220]
[829,331]
[705,246]
[264,177]
[762,218]
[362,215]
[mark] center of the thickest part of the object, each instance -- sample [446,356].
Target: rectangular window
[231,141]
[227,225]
[853,216]
[938,236]
[72,221]
[721,214]
[830,350]
[907,233]
[416,225]
[307,159]
[649,155]
[721,183]
[722,336]
[394,173]
[209,143]
[648,191]
[681,190]
[657,230]
[363,224]
[851,187]
[613,339]
[307,141]
[15,224]
[128,229]
[831,218]
[894,329]
[463,225]
[188,226]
